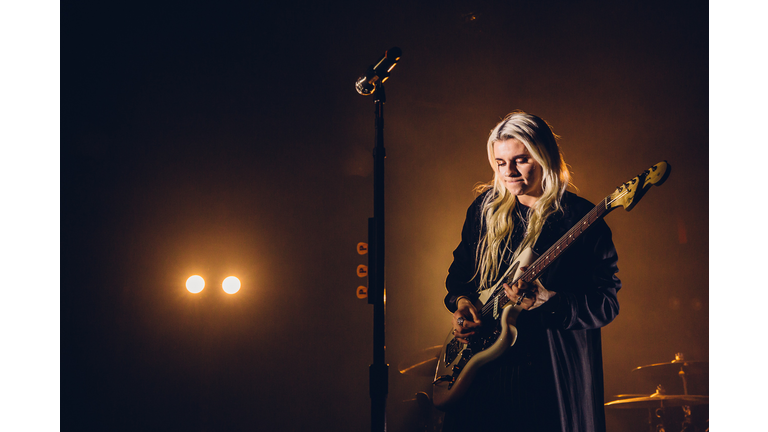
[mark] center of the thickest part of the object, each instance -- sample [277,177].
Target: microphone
[366,84]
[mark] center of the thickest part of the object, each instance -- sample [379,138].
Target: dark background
[227,139]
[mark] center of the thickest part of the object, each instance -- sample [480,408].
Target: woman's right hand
[471,320]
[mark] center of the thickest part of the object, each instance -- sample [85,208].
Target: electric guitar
[459,362]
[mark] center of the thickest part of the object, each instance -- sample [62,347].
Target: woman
[551,379]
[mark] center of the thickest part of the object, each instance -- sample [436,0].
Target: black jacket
[552,378]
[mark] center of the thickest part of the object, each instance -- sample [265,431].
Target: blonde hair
[499,203]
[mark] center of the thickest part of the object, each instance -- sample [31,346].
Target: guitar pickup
[452,351]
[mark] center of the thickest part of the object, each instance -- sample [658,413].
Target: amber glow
[195,284]
[231,285]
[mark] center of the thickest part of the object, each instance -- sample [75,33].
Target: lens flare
[231,285]
[195,284]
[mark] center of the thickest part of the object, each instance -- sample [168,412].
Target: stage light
[195,284]
[231,285]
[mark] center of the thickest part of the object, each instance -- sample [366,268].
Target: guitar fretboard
[537,267]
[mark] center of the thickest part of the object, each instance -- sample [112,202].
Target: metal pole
[376,277]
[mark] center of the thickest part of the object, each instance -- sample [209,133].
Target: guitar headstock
[628,194]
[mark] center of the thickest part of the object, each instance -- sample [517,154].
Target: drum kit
[676,412]
[665,410]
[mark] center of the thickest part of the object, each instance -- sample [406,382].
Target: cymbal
[658,401]
[674,367]
[422,363]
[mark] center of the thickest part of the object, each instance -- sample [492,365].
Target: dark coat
[552,378]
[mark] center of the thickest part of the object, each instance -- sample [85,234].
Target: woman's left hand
[535,293]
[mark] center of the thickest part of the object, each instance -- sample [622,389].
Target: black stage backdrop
[227,139]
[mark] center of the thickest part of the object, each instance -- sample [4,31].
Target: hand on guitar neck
[532,294]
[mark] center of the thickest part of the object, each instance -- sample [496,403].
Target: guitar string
[487,309]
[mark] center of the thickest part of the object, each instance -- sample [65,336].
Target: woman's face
[518,170]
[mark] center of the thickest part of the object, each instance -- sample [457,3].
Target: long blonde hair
[498,204]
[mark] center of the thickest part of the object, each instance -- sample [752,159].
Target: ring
[520,299]
[460,321]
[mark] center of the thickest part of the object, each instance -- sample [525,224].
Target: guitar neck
[537,267]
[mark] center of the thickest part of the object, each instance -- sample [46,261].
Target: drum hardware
[657,402]
[656,405]
[688,419]
[659,412]
[683,368]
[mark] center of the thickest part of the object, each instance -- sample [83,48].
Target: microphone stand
[379,370]
[372,82]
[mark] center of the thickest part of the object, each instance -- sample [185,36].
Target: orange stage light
[231,285]
[195,284]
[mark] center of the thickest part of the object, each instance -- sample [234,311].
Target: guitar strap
[519,233]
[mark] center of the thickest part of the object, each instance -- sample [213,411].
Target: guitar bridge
[457,368]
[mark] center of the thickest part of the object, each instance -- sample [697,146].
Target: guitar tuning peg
[362,292]
[362,248]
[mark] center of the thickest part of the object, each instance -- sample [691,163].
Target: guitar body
[458,363]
